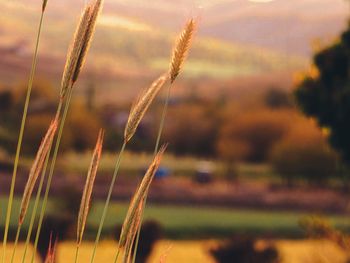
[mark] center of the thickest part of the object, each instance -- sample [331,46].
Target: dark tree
[243,250]
[326,96]
[276,98]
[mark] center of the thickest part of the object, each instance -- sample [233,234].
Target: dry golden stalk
[74,51]
[140,107]
[50,257]
[132,233]
[181,49]
[36,168]
[89,184]
[80,45]
[94,13]
[44,5]
[139,197]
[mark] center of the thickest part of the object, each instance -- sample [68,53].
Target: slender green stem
[37,198]
[104,213]
[117,255]
[162,120]
[76,254]
[156,147]
[20,137]
[16,242]
[52,167]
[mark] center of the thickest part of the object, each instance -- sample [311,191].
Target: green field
[180,222]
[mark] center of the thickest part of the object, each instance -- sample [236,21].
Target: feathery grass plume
[130,239]
[74,51]
[66,94]
[139,196]
[181,49]
[50,257]
[80,45]
[179,55]
[89,184]
[37,168]
[140,107]
[90,30]
[44,5]
[180,52]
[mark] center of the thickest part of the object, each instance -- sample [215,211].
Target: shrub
[82,126]
[6,101]
[251,135]
[190,129]
[151,232]
[36,128]
[243,250]
[304,154]
[277,98]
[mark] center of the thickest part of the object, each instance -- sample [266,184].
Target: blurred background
[257,164]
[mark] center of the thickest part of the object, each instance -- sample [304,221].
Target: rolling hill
[125,46]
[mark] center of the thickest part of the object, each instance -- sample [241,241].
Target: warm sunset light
[162,131]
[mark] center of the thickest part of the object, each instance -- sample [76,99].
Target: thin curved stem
[52,168]
[156,147]
[104,213]
[162,120]
[117,255]
[16,242]
[20,137]
[77,254]
[37,198]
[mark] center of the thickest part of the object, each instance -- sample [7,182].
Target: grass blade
[140,107]
[20,137]
[36,169]
[86,198]
[178,58]
[139,196]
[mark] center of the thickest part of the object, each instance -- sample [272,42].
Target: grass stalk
[77,253]
[162,120]
[177,60]
[20,137]
[104,213]
[16,242]
[52,168]
[87,193]
[137,112]
[36,204]
[156,147]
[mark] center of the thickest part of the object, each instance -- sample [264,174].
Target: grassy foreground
[181,222]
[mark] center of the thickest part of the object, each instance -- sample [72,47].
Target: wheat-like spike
[50,257]
[130,239]
[89,184]
[74,51]
[36,168]
[139,196]
[140,107]
[44,5]
[90,29]
[181,49]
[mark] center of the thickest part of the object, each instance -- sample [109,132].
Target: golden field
[291,251]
